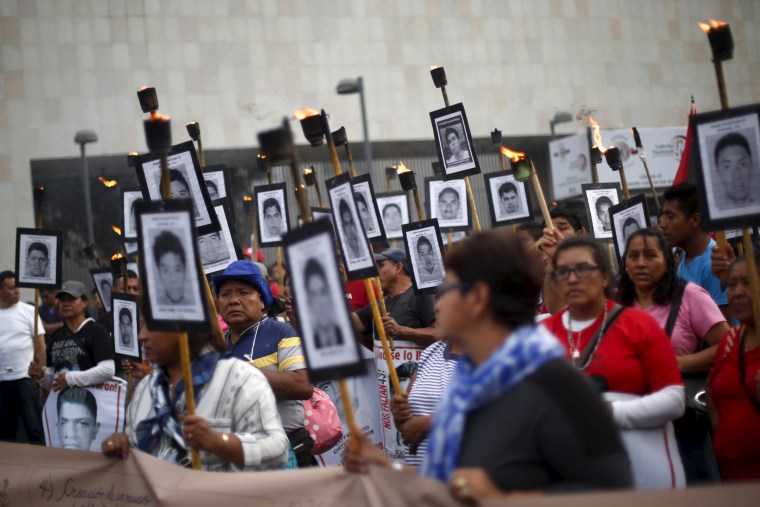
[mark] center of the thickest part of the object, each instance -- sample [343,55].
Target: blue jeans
[19,399]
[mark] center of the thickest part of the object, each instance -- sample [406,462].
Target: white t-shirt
[16,345]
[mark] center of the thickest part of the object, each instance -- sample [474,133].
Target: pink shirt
[697,315]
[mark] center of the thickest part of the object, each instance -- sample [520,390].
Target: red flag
[682,175]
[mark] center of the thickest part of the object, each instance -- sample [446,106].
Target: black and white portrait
[82,417]
[216,181]
[369,212]
[325,323]
[219,249]
[129,199]
[628,217]
[394,212]
[729,153]
[172,282]
[447,201]
[351,238]
[125,326]
[508,199]
[272,213]
[185,182]
[599,198]
[424,248]
[102,278]
[38,257]
[452,135]
[321,213]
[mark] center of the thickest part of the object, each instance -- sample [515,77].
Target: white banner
[571,166]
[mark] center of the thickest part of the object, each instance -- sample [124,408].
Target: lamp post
[350,86]
[83,137]
[559,117]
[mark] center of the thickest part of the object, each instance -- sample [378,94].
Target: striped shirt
[274,346]
[434,371]
[236,400]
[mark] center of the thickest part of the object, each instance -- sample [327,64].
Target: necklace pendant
[576,354]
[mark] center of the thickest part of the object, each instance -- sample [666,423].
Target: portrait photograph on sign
[185,181]
[215,177]
[599,198]
[172,286]
[354,245]
[424,247]
[394,212]
[82,417]
[271,213]
[447,201]
[508,199]
[220,249]
[126,326]
[456,153]
[369,212]
[38,258]
[628,217]
[327,332]
[129,221]
[728,168]
[102,278]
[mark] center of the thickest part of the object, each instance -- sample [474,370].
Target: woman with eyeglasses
[734,384]
[516,416]
[627,354]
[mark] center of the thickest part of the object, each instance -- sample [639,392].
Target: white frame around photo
[129,198]
[445,121]
[634,208]
[499,215]
[429,232]
[47,243]
[373,226]
[399,200]
[262,196]
[592,194]
[100,275]
[225,245]
[217,174]
[128,303]
[310,254]
[434,188]
[181,307]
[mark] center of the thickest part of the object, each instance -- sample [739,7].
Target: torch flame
[156,116]
[247,198]
[597,134]
[144,87]
[433,67]
[704,26]
[304,113]
[514,156]
[713,24]
[116,256]
[117,230]
[307,170]
[132,154]
[401,168]
[107,183]
[261,156]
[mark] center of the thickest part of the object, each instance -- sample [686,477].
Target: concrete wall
[237,66]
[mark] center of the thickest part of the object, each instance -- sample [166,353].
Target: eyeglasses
[583,270]
[448,287]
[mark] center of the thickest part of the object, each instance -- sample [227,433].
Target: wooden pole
[184,346]
[624,183]
[651,184]
[348,411]
[36,330]
[350,159]
[539,194]
[594,173]
[752,271]
[201,158]
[367,285]
[319,195]
[418,204]
[720,236]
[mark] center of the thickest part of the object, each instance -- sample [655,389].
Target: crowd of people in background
[548,364]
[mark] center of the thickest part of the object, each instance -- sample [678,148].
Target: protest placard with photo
[38,258]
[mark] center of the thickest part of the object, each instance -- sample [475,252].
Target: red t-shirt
[359,298]
[736,441]
[635,355]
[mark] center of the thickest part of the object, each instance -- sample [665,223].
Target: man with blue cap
[268,344]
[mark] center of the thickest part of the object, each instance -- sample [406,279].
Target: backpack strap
[675,307]
[591,346]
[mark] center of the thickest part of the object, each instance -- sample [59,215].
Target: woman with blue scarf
[236,426]
[517,415]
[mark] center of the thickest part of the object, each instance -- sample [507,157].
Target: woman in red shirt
[734,385]
[632,359]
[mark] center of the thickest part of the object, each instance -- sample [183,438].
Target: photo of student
[327,332]
[77,418]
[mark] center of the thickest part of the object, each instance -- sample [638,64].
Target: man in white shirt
[17,397]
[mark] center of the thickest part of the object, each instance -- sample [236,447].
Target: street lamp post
[350,86]
[83,137]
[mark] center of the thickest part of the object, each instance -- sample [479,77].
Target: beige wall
[237,66]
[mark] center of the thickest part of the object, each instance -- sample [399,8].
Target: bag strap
[675,307]
[743,373]
[585,357]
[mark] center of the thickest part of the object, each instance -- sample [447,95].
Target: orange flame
[261,156]
[597,134]
[107,183]
[401,168]
[117,230]
[132,154]
[156,116]
[116,256]
[514,156]
[704,26]
[144,87]
[304,113]
[433,67]
[713,24]
[307,170]
[247,198]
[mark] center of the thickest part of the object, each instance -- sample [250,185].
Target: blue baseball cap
[395,255]
[248,272]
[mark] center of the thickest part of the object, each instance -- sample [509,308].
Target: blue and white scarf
[521,353]
[167,409]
